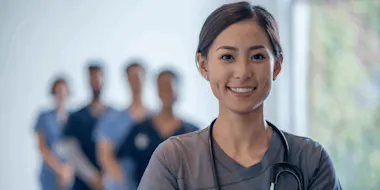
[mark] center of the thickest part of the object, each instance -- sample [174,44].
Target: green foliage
[342,117]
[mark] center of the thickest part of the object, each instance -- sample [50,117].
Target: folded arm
[69,149]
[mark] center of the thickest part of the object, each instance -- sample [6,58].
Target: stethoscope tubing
[297,173]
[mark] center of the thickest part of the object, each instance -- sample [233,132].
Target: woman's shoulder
[184,147]
[45,113]
[309,155]
[185,141]
[189,127]
[302,143]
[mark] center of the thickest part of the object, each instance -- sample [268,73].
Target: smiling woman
[239,53]
[226,64]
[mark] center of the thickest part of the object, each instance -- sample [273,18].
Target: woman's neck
[61,108]
[166,113]
[166,122]
[242,133]
[137,100]
[137,110]
[136,105]
[61,112]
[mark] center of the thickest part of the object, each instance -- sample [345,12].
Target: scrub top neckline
[61,122]
[128,112]
[172,133]
[92,113]
[254,170]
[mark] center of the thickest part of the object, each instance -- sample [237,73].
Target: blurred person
[55,174]
[79,145]
[109,135]
[240,55]
[144,138]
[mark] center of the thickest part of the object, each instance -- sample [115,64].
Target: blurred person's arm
[69,148]
[48,155]
[63,171]
[107,131]
[108,160]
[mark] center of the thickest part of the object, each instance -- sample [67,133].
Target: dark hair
[132,64]
[57,81]
[232,13]
[94,65]
[170,72]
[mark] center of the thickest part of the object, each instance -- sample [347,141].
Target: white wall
[39,38]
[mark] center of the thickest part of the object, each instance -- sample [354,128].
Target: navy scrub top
[81,126]
[142,141]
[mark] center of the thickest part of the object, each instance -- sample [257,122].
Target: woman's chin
[243,108]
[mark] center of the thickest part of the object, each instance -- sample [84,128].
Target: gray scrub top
[183,162]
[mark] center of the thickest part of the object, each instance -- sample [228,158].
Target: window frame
[288,103]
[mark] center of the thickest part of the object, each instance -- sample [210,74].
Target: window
[344,87]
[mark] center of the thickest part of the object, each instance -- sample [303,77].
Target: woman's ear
[277,66]
[203,66]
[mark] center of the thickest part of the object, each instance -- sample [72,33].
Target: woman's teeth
[241,90]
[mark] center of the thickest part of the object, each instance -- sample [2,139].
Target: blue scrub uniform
[81,126]
[48,124]
[114,129]
[141,142]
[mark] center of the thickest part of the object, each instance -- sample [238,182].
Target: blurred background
[329,88]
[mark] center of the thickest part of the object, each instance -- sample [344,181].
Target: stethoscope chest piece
[271,186]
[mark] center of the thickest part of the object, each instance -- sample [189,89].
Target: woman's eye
[258,57]
[227,57]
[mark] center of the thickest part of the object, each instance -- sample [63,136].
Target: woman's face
[61,92]
[241,66]
[166,90]
[135,78]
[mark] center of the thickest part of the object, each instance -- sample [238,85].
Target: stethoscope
[277,169]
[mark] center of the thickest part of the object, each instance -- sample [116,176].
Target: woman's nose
[242,70]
